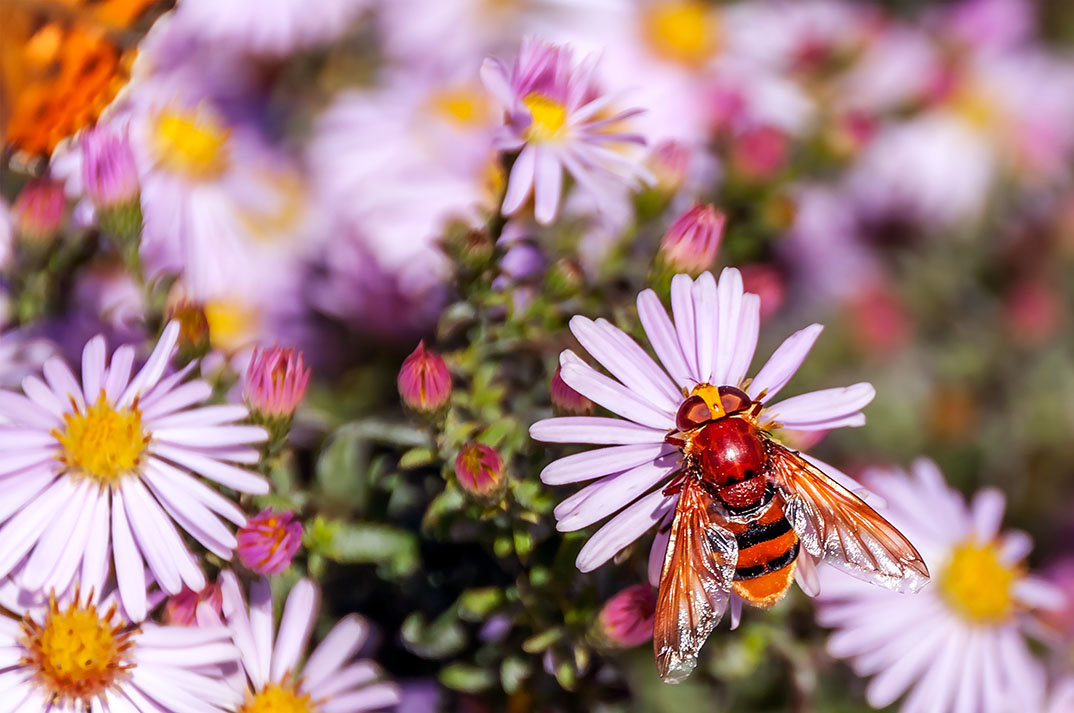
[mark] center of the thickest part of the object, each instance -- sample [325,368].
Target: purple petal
[624,528]
[601,461]
[621,356]
[594,429]
[784,362]
[119,371]
[705,315]
[521,181]
[130,572]
[987,513]
[826,405]
[547,185]
[93,370]
[154,366]
[662,335]
[494,77]
[381,695]
[355,676]
[610,494]
[611,394]
[658,552]
[746,343]
[341,644]
[730,319]
[295,628]
[62,381]
[682,307]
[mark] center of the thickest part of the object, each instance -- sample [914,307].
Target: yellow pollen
[231,324]
[191,144]
[549,117]
[464,106]
[978,585]
[711,396]
[975,106]
[681,31]
[102,442]
[278,698]
[77,654]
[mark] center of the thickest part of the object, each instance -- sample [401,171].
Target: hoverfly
[746,506]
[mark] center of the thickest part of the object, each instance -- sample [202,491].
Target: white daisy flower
[105,467]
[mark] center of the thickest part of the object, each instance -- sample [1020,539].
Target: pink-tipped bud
[568,402]
[670,162]
[627,618]
[181,609]
[479,470]
[760,153]
[690,244]
[268,541]
[39,210]
[109,174]
[424,380]
[276,381]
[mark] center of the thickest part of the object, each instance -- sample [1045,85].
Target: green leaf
[538,643]
[341,470]
[466,678]
[442,638]
[417,457]
[478,604]
[513,672]
[369,543]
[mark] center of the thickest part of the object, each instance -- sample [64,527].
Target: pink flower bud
[690,244]
[109,174]
[424,380]
[760,153]
[1033,312]
[479,469]
[627,618]
[268,541]
[766,282]
[670,162]
[39,210]
[568,402]
[276,381]
[181,609]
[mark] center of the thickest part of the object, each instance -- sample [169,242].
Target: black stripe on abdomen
[755,533]
[771,566]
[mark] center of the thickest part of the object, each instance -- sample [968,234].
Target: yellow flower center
[192,144]
[681,31]
[977,584]
[102,442]
[277,698]
[549,117]
[464,106]
[975,106]
[231,323]
[77,654]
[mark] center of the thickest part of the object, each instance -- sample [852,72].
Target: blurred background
[326,175]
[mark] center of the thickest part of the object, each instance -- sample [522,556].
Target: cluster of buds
[276,382]
[268,541]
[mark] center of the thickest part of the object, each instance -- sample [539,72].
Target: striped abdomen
[767,553]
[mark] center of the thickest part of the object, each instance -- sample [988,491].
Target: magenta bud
[39,210]
[626,619]
[566,401]
[109,174]
[268,541]
[669,162]
[690,244]
[181,609]
[424,380]
[760,153]
[479,470]
[276,381]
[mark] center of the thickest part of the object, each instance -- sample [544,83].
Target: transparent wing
[837,526]
[695,584]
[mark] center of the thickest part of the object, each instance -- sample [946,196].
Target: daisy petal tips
[111,467]
[709,338]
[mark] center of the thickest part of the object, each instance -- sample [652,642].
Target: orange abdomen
[767,554]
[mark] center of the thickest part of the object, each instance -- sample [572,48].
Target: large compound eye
[733,399]
[693,412]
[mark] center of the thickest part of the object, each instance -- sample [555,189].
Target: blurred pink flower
[669,162]
[558,121]
[1033,312]
[424,380]
[626,620]
[276,381]
[766,282]
[39,209]
[959,644]
[181,609]
[880,321]
[566,401]
[711,341]
[268,541]
[691,243]
[109,174]
[760,152]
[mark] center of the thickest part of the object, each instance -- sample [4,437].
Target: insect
[62,62]
[747,506]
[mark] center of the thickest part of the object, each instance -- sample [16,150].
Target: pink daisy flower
[78,654]
[104,468]
[959,644]
[710,342]
[331,681]
[558,120]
